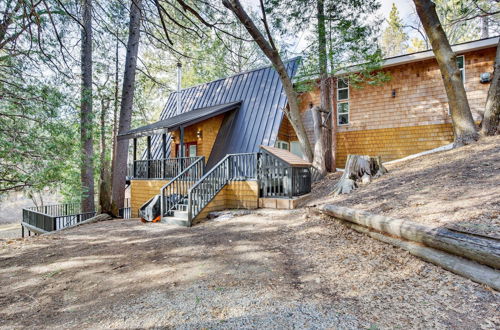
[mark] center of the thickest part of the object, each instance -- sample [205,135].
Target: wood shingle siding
[141,191]
[235,195]
[415,120]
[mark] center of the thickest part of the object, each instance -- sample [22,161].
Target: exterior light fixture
[199,134]
[393,94]
[485,78]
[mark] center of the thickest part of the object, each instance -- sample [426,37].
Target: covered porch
[173,144]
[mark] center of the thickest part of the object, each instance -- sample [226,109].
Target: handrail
[231,167]
[162,168]
[179,185]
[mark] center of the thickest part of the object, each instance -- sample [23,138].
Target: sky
[404,7]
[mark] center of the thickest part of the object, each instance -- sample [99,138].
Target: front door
[190,147]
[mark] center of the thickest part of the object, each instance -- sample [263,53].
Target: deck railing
[167,168]
[233,167]
[48,218]
[55,217]
[278,179]
[177,188]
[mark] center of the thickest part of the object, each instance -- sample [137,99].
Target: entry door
[190,147]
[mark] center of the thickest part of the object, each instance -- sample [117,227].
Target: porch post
[149,156]
[164,154]
[134,165]
[181,146]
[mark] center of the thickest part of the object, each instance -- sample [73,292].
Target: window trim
[347,100]
[462,69]
[278,142]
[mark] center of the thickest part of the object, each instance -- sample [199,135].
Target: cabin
[205,154]
[226,144]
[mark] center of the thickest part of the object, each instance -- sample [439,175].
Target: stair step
[175,221]
[181,214]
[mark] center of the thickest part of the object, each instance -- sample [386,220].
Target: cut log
[468,269]
[361,169]
[482,250]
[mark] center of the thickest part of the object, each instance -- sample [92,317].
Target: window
[282,145]
[342,101]
[461,66]
[296,149]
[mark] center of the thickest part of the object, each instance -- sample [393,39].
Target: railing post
[134,163]
[190,204]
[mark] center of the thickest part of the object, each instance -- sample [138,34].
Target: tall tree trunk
[104,184]
[115,103]
[491,118]
[463,123]
[86,115]
[267,47]
[323,151]
[128,89]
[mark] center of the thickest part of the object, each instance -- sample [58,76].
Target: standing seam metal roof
[258,119]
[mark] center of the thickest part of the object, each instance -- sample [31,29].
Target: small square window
[343,94]
[342,83]
[343,119]
[343,107]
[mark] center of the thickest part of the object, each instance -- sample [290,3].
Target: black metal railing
[167,168]
[233,167]
[55,217]
[126,211]
[279,179]
[177,189]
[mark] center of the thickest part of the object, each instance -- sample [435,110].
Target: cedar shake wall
[234,195]
[209,129]
[143,190]
[415,120]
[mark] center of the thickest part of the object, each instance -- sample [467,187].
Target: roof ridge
[238,74]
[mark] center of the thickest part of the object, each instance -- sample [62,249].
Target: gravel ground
[458,189]
[10,231]
[267,269]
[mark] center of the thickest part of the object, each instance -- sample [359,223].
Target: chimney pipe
[179,78]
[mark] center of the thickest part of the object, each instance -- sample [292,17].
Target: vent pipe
[179,78]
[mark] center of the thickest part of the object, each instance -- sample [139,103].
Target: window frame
[281,142]
[462,70]
[341,101]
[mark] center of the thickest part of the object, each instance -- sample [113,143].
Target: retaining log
[469,269]
[483,250]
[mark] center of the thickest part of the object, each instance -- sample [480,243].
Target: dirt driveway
[270,269]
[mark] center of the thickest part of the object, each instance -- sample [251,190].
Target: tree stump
[358,168]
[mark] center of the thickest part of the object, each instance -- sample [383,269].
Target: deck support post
[149,156]
[163,153]
[134,165]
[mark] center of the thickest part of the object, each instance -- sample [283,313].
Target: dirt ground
[459,189]
[267,269]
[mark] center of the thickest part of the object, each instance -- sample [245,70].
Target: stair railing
[178,187]
[233,167]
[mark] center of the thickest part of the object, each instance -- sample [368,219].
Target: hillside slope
[459,189]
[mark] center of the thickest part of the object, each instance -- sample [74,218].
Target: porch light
[199,134]
[393,93]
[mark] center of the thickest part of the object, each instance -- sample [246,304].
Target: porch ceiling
[185,119]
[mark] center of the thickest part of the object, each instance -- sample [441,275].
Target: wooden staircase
[191,195]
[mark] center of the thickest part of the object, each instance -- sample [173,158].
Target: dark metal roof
[257,121]
[182,120]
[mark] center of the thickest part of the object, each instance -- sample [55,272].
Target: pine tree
[394,39]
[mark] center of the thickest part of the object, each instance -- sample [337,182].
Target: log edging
[482,250]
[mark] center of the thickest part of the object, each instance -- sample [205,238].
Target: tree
[463,123]
[128,89]
[268,47]
[342,36]
[86,113]
[491,119]
[394,40]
